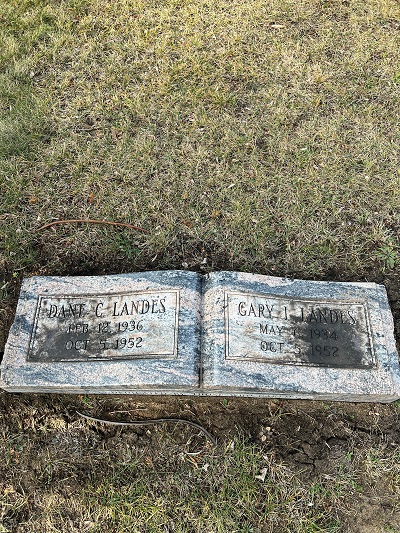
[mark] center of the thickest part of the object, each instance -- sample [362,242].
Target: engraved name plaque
[105,326]
[297,331]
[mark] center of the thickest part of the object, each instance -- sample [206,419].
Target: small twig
[90,128]
[89,221]
[152,421]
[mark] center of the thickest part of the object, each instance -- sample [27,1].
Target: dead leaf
[262,475]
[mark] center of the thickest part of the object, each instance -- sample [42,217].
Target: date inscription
[109,326]
[276,329]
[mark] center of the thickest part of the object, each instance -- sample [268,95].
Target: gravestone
[298,339]
[107,334]
[222,334]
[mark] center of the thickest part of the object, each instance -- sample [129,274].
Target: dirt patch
[50,449]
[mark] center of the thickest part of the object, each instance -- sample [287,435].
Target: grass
[62,474]
[225,496]
[246,135]
[259,135]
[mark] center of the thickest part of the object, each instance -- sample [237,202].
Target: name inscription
[109,326]
[297,331]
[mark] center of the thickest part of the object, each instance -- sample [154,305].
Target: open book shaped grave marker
[225,334]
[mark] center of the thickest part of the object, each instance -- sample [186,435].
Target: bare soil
[59,451]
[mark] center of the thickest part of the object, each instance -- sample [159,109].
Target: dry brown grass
[261,135]
[279,466]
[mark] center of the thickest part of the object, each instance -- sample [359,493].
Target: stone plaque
[299,331]
[220,334]
[105,326]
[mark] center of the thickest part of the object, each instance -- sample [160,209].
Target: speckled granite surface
[227,333]
[277,337]
[117,334]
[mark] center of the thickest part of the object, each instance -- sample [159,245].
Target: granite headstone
[224,334]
